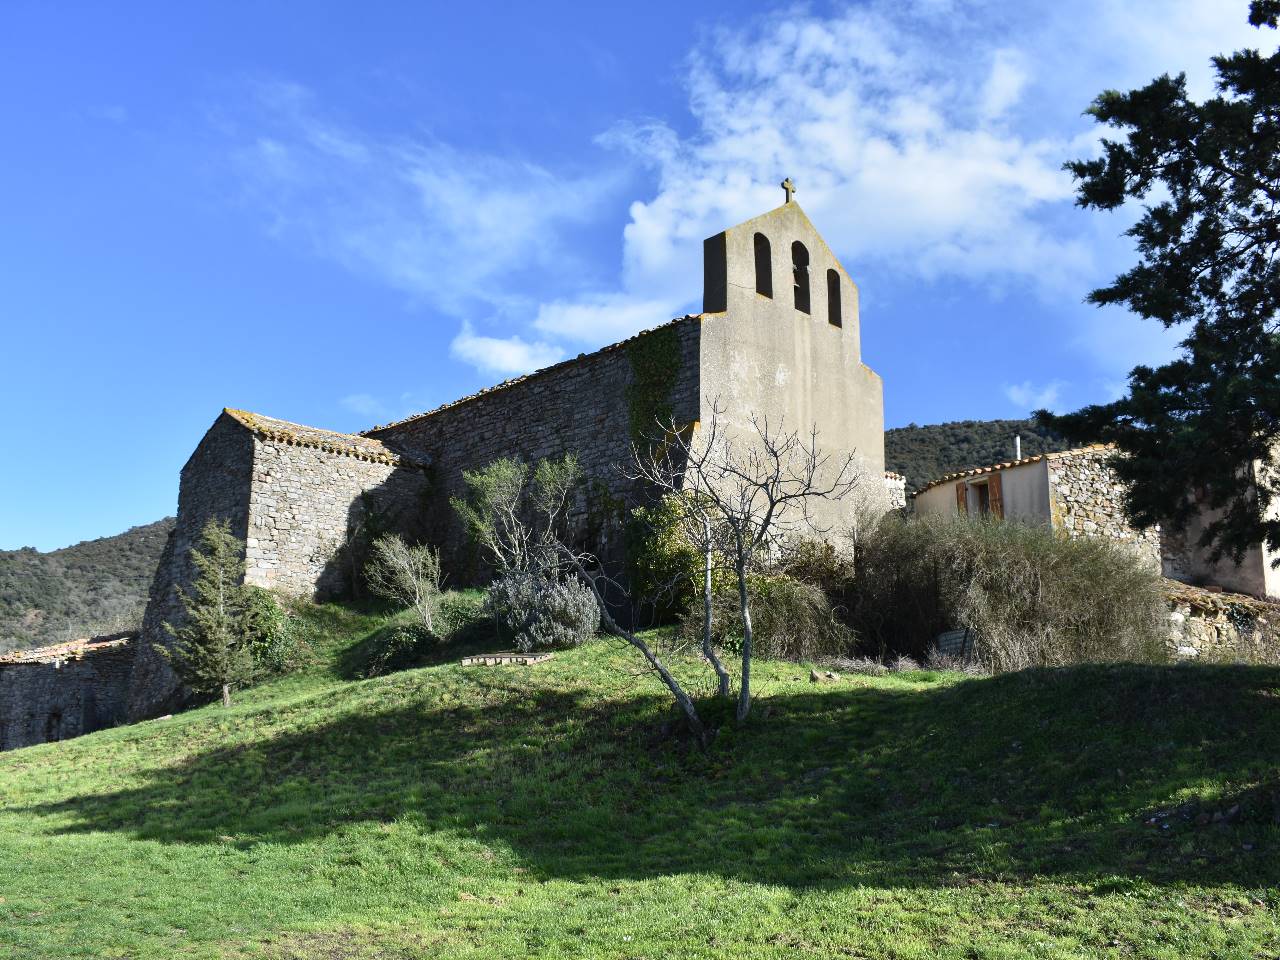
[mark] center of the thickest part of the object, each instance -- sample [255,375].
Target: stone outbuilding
[1074,491]
[64,690]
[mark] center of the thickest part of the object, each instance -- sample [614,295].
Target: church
[778,336]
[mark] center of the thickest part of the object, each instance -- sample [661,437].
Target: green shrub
[533,612]
[462,614]
[395,648]
[1031,596]
[791,620]
[274,640]
[663,564]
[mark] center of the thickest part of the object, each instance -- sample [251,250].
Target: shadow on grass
[1038,774]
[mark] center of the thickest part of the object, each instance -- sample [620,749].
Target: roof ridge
[527,376]
[354,445]
[995,467]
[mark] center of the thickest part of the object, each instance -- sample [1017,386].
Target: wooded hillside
[98,586]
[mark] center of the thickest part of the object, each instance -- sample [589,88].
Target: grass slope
[509,812]
[98,586]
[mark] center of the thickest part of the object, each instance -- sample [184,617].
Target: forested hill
[922,454]
[94,587]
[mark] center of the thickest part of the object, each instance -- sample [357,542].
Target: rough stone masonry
[778,337]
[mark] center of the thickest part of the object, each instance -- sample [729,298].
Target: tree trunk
[722,675]
[226,695]
[612,626]
[744,691]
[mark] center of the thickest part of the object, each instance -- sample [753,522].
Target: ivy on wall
[655,365]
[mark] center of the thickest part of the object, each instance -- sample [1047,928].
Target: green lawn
[513,812]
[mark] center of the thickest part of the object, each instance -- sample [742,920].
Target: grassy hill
[513,812]
[925,453]
[98,586]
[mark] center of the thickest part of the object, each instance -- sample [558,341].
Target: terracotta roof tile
[70,650]
[993,468]
[351,445]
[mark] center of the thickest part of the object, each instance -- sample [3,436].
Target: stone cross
[789,188]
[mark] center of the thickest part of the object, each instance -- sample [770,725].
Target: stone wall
[312,510]
[895,486]
[594,406]
[1087,499]
[1215,626]
[63,691]
[214,484]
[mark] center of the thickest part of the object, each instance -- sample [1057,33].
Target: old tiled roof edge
[529,376]
[996,467]
[1214,599]
[67,650]
[330,441]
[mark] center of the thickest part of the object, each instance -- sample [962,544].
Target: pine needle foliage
[211,651]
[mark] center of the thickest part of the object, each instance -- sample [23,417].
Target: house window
[764,266]
[800,270]
[983,494]
[833,299]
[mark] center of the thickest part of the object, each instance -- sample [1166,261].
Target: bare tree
[698,525]
[523,526]
[406,574]
[760,486]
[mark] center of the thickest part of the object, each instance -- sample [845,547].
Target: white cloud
[927,139]
[1028,396]
[364,404]
[502,355]
[455,229]
[604,317]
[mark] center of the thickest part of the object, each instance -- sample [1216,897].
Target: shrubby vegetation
[792,620]
[1031,596]
[408,575]
[231,633]
[461,623]
[95,587]
[536,612]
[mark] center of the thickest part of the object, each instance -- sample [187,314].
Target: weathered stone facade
[1087,499]
[297,495]
[64,690]
[1215,626]
[595,407]
[895,486]
[310,509]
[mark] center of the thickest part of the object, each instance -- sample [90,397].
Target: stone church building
[778,336]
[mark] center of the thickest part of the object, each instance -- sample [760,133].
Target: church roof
[528,376]
[295,434]
[996,467]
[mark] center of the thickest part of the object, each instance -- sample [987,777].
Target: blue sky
[342,214]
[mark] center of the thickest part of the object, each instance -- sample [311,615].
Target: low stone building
[1074,491]
[64,690]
